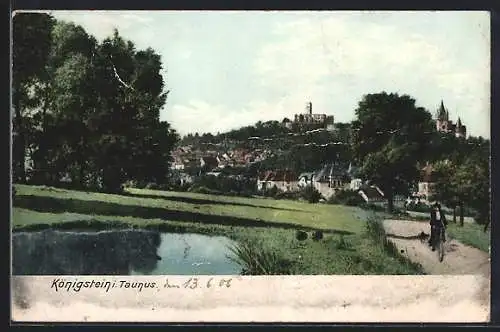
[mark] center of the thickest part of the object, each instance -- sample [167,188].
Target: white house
[356,184]
[329,180]
[426,183]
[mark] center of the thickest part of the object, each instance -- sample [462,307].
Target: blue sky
[228,69]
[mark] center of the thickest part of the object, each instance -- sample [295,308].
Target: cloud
[202,117]
[329,58]
[311,54]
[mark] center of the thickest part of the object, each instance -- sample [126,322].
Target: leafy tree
[31,46]
[388,140]
[96,107]
[466,184]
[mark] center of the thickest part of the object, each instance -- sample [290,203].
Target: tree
[97,108]
[389,138]
[444,189]
[31,45]
[466,184]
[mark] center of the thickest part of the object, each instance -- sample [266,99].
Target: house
[283,180]
[355,184]
[330,179]
[372,194]
[305,179]
[427,182]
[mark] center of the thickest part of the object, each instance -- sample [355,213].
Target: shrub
[347,197]
[418,207]
[301,235]
[375,229]
[342,244]
[310,194]
[271,192]
[257,260]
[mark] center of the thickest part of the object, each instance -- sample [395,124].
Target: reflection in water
[186,254]
[119,253]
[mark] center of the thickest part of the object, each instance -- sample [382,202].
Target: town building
[445,125]
[330,179]
[426,182]
[283,180]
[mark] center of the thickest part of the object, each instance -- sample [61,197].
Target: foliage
[307,158]
[342,243]
[466,184]
[376,233]
[347,197]
[418,207]
[310,194]
[375,229]
[258,260]
[226,184]
[94,110]
[389,139]
[271,192]
[31,48]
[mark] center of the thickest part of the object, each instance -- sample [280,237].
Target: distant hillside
[265,134]
[297,149]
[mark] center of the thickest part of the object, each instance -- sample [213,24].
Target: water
[128,252]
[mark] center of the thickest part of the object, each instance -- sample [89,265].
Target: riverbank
[345,248]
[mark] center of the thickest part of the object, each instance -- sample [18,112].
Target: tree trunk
[42,167]
[390,200]
[486,226]
[461,209]
[454,214]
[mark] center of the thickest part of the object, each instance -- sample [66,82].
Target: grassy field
[346,247]
[470,234]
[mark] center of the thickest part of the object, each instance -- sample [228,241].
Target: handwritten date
[193,283]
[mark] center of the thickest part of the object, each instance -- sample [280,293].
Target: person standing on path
[438,220]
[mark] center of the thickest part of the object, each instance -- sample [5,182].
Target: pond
[124,252]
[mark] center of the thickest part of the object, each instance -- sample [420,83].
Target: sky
[229,69]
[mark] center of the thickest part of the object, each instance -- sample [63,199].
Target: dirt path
[458,259]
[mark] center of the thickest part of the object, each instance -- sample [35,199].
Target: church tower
[443,119]
[460,129]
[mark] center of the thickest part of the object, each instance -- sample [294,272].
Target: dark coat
[434,222]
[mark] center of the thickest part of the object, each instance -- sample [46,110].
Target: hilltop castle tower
[445,125]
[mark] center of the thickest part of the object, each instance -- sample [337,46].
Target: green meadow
[268,226]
